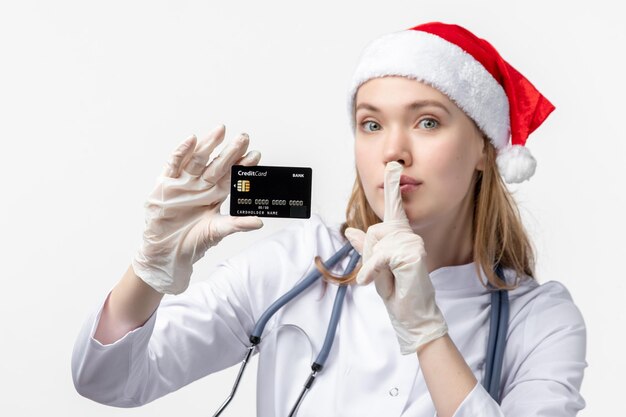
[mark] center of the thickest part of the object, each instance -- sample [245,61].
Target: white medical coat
[206,329]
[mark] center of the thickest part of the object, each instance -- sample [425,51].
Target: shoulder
[290,250]
[547,310]
[541,298]
[553,303]
[261,271]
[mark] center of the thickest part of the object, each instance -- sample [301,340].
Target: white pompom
[516,164]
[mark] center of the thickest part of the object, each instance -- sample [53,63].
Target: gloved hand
[182,212]
[393,257]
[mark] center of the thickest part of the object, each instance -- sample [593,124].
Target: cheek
[366,159]
[450,168]
[363,158]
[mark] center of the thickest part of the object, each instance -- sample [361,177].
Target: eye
[430,123]
[369,123]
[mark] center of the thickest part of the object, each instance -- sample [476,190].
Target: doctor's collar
[458,277]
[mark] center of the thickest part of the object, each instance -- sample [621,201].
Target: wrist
[431,344]
[429,339]
[166,277]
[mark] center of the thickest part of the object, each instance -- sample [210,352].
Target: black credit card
[270,191]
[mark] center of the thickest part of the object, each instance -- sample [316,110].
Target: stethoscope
[495,346]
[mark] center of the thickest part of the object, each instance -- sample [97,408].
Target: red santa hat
[469,70]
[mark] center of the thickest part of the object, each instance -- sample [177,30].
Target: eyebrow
[411,106]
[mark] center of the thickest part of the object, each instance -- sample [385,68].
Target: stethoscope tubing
[317,366]
[498,329]
[336,314]
[255,336]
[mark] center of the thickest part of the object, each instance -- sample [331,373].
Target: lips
[404,180]
[408,180]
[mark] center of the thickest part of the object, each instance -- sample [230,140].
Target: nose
[397,147]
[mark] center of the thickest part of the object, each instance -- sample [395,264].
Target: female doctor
[440,122]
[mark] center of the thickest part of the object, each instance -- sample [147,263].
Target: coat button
[394,392]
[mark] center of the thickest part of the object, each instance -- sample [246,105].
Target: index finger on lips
[394,209]
[198,160]
[179,156]
[227,158]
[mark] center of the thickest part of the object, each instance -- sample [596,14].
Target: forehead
[393,90]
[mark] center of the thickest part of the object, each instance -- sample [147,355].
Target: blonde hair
[498,234]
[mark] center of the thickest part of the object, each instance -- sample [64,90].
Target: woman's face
[438,144]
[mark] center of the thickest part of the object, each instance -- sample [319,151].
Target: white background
[94,97]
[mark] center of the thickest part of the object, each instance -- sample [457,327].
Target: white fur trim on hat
[446,67]
[516,164]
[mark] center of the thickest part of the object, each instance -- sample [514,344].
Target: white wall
[95,95]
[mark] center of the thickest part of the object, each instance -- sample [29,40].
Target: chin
[417,219]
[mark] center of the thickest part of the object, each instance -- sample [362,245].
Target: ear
[480,166]
[483,143]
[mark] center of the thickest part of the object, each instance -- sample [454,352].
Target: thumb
[356,238]
[245,224]
[221,226]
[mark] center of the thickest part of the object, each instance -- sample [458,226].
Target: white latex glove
[393,257]
[182,212]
